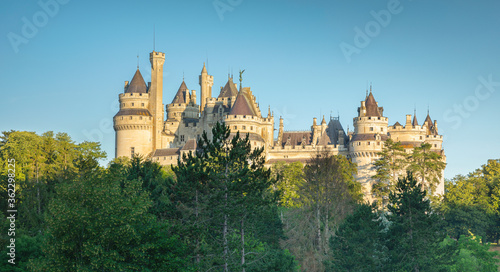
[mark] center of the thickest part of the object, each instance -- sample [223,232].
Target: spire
[269,111]
[204,70]
[180,97]
[415,122]
[372,108]
[137,84]
[323,122]
[229,90]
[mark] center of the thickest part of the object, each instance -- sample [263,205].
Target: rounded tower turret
[133,123]
[370,131]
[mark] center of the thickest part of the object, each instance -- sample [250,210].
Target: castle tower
[370,131]
[206,82]
[133,124]
[157,60]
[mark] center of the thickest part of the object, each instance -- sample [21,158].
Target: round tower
[370,132]
[133,123]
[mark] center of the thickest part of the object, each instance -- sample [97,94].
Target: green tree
[290,178]
[427,166]
[224,196]
[100,221]
[358,244]
[472,255]
[391,164]
[415,231]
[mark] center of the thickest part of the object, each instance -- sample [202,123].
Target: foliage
[427,166]
[224,200]
[472,256]
[392,162]
[357,244]
[415,233]
[471,203]
[290,179]
[100,221]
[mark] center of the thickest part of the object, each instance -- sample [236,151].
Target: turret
[157,60]
[206,82]
[133,123]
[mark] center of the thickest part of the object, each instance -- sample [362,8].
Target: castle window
[378,143]
[369,118]
[132,104]
[142,104]
[182,138]
[251,127]
[381,129]
[122,118]
[435,145]
[235,127]
[420,137]
[132,152]
[130,117]
[164,158]
[371,129]
[123,104]
[140,118]
[368,143]
[379,118]
[244,127]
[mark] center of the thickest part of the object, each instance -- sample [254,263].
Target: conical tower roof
[229,90]
[415,122]
[204,70]
[242,106]
[371,106]
[428,121]
[137,84]
[180,97]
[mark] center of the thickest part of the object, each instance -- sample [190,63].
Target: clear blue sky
[67,75]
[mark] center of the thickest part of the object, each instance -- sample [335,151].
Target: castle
[141,127]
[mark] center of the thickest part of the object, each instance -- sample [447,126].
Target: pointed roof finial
[183,76]
[370,87]
[204,69]
[137,61]
[427,109]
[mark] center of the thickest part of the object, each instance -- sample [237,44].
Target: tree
[100,221]
[358,244]
[290,179]
[427,166]
[391,164]
[224,196]
[472,203]
[328,194]
[415,232]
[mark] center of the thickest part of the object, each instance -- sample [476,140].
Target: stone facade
[141,127]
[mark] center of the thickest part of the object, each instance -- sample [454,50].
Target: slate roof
[371,106]
[190,145]
[242,105]
[137,84]
[143,112]
[180,97]
[229,90]
[415,122]
[295,138]
[166,152]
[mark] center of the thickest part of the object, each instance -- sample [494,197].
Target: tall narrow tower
[157,60]
[206,83]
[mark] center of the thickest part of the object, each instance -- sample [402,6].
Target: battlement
[434,137]
[134,95]
[408,128]
[370,118]
[247,118]
[157,54]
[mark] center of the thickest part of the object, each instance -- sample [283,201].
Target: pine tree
[415,231]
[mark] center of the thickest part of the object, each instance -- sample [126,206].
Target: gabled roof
[371,106]
[229,90]
[397,124]
[137,84]
[190,145]
[242,105]
[180,97]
